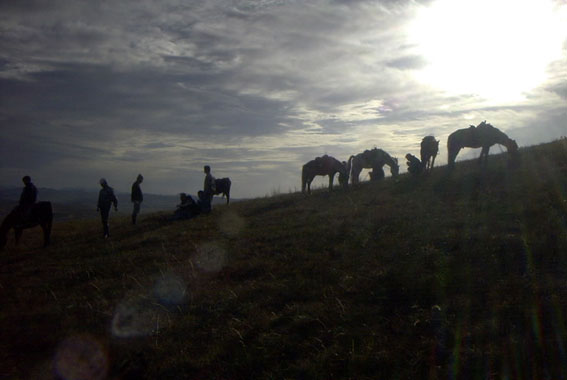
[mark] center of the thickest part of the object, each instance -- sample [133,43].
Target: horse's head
[394,168]
[512,146]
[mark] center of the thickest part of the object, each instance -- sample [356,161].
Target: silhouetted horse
[325,165]
[483,136]
[222,186]
[373,159]
[41,214]
[428,152]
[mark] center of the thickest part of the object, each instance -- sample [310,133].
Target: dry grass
[458,275]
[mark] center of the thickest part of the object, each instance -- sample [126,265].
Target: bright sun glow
[497,49]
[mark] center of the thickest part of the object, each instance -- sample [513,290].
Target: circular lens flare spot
[81,358]
[211,257]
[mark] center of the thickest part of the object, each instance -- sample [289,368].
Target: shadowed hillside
[452,275]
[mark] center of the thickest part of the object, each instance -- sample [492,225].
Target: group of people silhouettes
[188,207]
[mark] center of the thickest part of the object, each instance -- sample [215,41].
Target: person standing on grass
[106,198]
[136,197]
[209,185]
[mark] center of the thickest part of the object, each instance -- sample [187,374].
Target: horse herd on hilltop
[482,136]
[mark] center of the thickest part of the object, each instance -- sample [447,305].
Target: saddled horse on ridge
[428,152]
[482,136]
[373,159]
[41,214]
[325,165]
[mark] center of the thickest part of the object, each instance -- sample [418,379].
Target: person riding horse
[28,197]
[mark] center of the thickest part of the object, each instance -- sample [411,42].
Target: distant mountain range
[81,204]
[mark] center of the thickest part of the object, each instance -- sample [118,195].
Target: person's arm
[115,201]
[34,194]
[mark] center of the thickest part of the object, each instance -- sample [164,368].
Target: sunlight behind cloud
[495,49]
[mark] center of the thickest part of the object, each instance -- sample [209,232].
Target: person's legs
[104,218]
[136,211]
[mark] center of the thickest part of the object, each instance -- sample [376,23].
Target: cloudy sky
[255,89]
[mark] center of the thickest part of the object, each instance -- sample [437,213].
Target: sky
[255,89]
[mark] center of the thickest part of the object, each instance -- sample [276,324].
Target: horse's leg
[432,162]
[227,196]
[355,173]
[18,234]
[46,227]
[331,176]
[483,155]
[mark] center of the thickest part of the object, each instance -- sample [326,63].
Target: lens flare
[133,317]
[211,257]
[170,290]
[81,358]
[231,224]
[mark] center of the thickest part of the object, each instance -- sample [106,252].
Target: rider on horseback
[27,199]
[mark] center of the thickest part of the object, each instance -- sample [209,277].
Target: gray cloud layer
[254,88]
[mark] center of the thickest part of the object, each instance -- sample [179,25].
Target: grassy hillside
[455,275]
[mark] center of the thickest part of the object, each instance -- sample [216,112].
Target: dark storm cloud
[183,103]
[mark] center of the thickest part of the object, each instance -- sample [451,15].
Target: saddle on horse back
[25,217]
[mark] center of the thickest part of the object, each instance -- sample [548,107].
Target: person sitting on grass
[204,202]
[187,209]
[414,164]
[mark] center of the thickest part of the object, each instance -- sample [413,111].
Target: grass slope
[459,275]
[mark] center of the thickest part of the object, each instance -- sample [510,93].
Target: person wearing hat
[106,198]
[136,197]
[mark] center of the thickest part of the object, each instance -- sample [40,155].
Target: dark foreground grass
[458,275]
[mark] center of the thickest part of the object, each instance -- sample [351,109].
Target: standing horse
[325,165]
[482,136]
[373,159]
[222,186]
[428,152]
[41,214]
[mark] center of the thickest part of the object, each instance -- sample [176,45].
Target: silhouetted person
[204,202]
[186,209]
[28,197]
[136,197]
[209,185]
[106,199]
[414,164]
